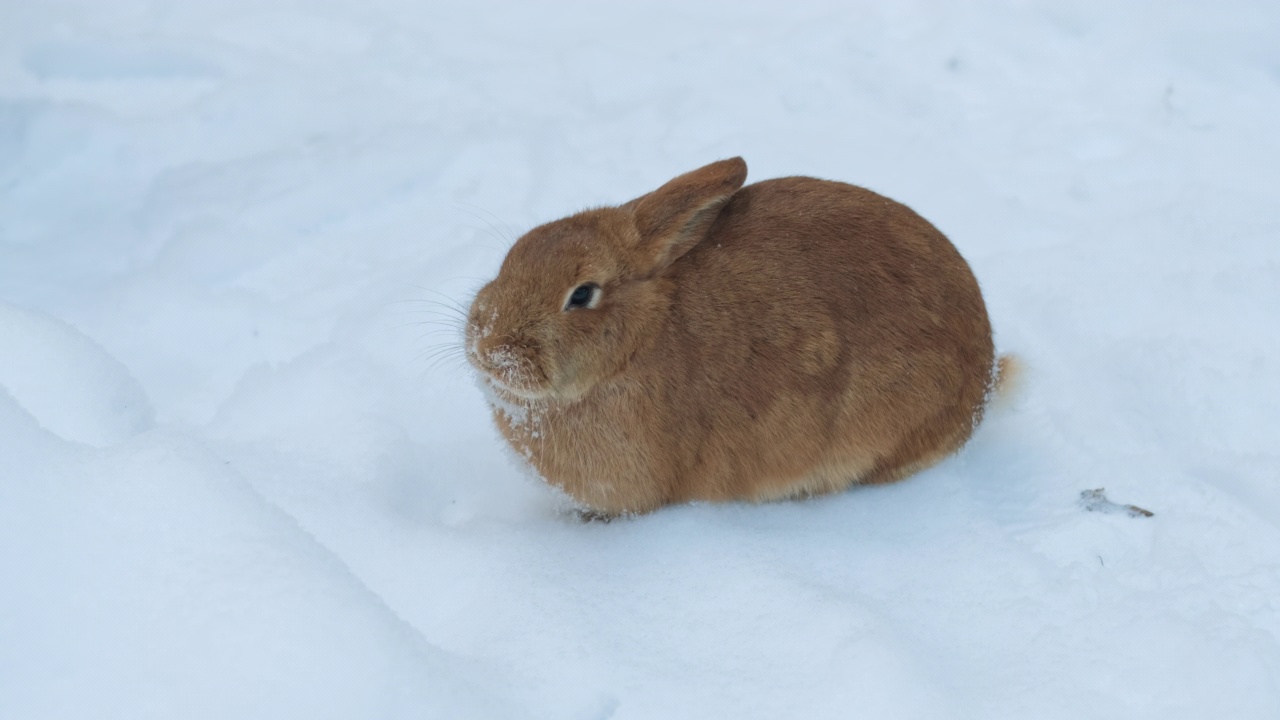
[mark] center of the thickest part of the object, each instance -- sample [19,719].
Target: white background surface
[234,482]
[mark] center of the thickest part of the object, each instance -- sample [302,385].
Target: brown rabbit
[708,341]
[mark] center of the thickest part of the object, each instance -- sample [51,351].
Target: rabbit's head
[575,298]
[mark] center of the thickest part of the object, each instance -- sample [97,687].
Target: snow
[245,473]
[77,390]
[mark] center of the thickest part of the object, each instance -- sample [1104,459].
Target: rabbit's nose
[483,353]
[494,356]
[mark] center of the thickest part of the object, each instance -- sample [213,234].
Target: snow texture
[244,472]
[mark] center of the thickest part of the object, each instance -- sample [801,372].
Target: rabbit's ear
[676,216]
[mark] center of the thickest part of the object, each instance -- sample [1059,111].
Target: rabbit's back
[821,335]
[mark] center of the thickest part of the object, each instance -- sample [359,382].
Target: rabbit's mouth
[512,375]
[513,367]
[515,391]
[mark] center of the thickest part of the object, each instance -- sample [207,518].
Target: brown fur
[788,338]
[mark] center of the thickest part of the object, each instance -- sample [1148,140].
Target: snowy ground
[234,483]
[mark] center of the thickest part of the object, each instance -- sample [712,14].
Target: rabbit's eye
[586,295]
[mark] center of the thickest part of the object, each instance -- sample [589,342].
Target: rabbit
[713,342]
